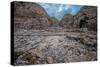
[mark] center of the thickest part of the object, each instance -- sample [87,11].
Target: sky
[58,10]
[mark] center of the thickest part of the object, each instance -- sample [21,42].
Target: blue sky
[58,10]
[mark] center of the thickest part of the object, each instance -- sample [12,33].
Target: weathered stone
[85,18]
[49,60]
[74,46]
[30,16]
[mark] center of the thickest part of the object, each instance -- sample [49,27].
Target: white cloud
[60,8]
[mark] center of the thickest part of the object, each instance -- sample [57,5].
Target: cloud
[58,10]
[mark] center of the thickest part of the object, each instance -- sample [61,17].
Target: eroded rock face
[29,16]
[85,18]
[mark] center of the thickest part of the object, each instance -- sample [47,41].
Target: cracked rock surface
[54,49]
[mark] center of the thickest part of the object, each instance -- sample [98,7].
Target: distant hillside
[66,21]
[54,21]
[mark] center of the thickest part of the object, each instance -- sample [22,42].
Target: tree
[54,21]
[67,17]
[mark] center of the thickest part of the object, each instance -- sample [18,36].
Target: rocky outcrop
[85,18]
[29,16]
